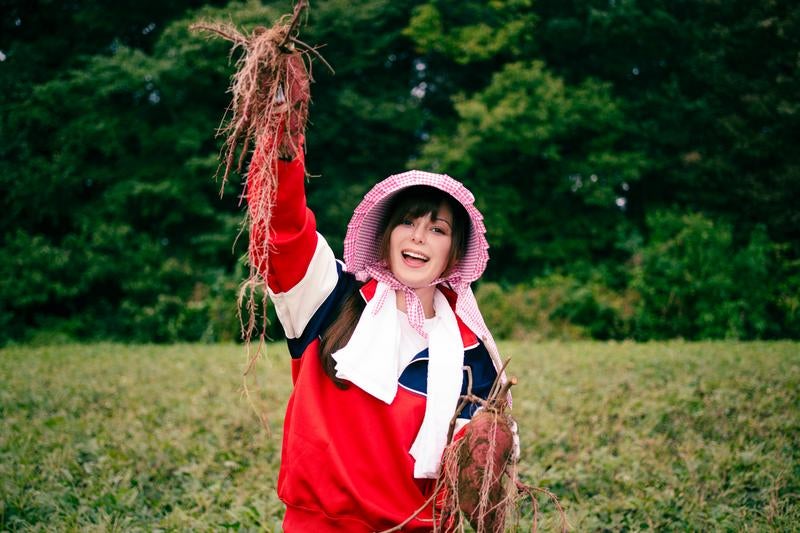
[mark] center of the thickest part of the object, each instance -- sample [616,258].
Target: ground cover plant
[662,436]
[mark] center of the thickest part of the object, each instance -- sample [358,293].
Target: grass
[660,436]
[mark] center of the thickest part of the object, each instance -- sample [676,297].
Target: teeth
[416,256]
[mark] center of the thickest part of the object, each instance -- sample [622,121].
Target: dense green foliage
[630,437]
[634,160]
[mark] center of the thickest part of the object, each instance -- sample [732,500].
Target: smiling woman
[383,346]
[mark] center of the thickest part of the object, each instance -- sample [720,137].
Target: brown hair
[413,202]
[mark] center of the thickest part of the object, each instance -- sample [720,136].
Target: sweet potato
[473,472]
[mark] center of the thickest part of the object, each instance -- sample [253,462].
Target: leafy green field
[660,436]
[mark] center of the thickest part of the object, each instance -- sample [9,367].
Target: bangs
[416,207]
[414,202]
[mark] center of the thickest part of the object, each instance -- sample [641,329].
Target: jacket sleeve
[296,261]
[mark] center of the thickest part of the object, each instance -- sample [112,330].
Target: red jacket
[345,464]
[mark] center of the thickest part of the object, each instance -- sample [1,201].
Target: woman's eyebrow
[437,219]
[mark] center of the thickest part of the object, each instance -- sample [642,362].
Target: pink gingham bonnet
[361,244]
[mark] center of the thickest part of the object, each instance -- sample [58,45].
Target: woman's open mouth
[414,259]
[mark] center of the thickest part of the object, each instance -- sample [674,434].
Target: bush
[205,313]
[556,307]
[694,284]
[789,297]
[208,314]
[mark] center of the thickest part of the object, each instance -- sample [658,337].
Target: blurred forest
[634,160]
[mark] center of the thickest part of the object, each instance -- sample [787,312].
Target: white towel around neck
[372,362]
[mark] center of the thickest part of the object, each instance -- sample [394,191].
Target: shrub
[556,307]
[695,284]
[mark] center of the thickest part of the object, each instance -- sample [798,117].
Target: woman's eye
[407,222]
[437,229]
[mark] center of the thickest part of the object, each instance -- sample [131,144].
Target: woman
[378,345]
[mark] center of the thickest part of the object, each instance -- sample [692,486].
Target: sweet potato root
[482,459]
[473,477]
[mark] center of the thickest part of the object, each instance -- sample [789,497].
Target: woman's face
[419,248]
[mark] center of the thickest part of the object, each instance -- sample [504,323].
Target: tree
[709,92]
[112,225]
[548,158]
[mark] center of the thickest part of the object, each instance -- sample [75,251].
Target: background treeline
[637,162]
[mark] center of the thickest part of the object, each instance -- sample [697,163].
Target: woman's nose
[418,235]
